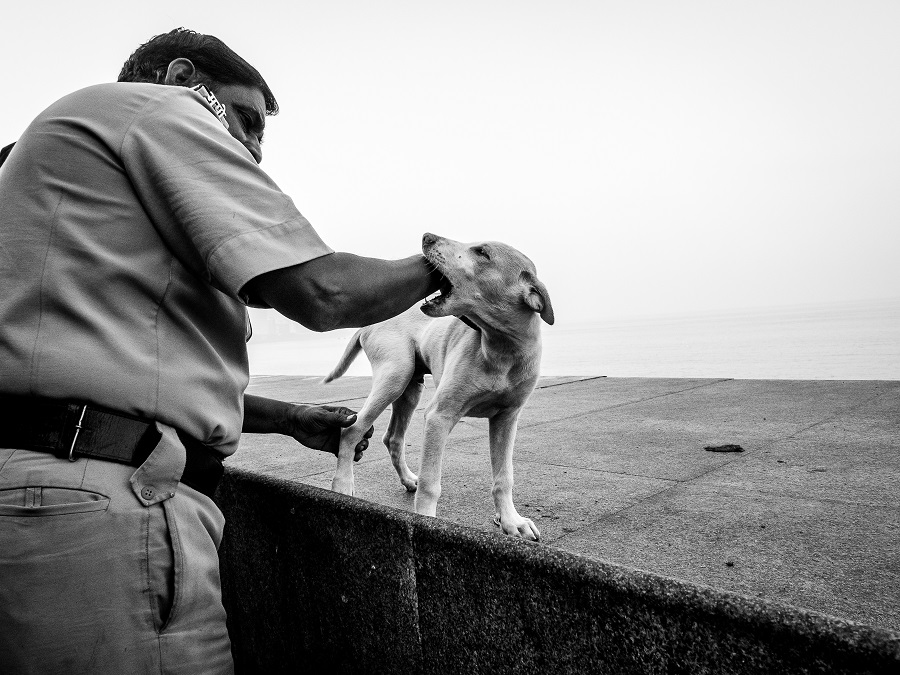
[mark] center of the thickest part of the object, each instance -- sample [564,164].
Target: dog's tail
[350,353]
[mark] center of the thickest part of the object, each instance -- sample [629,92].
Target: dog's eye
[482,251]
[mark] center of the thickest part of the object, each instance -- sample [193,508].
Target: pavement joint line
[596,470]
[623,404]
[831,418]
[339,400]
[809,498]
[739,458]
[563,384]
[578,379]
[558,384]
[607,516]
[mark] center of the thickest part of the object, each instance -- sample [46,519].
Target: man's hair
[213,58]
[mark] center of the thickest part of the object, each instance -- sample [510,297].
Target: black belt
[72,430]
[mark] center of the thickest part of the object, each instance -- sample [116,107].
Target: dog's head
[490,281]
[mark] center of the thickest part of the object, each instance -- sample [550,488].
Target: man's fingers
[340,417]
[344,417]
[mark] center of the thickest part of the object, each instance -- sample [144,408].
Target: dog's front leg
[438,424]
[343,474]
[502,431]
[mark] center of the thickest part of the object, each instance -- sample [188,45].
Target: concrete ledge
[318,582]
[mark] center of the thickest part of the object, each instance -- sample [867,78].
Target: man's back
[130,218]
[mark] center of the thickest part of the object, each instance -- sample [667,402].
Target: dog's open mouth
[440,297]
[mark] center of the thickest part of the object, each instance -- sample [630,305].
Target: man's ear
[180,72]
[537,298]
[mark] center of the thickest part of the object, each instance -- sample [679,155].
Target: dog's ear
[537,298]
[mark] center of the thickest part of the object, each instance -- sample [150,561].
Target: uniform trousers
[94,581]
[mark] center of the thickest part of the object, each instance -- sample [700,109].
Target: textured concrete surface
[615,470]
[316,582]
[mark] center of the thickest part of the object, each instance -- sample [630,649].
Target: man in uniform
[135,228]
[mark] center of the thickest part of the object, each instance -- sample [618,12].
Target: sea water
[847,341]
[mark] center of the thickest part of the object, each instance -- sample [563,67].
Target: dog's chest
[472,378]
[487,409]
[494,397]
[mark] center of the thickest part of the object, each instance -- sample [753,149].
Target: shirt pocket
[50,501]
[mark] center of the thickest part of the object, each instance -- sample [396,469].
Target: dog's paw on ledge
[525,529]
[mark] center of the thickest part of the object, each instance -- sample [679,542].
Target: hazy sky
[650,157]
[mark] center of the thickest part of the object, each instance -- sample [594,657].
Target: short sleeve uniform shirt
[130,220]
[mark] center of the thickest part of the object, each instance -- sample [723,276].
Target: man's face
[245,107]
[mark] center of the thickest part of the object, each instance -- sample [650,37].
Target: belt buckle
[78,428]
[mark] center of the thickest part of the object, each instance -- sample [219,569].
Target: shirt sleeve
[212,204]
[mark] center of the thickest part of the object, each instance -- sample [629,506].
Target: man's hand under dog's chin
[319,428]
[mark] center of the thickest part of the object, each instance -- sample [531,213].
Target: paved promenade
[615,468]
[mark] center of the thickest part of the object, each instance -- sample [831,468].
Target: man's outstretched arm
[342,290]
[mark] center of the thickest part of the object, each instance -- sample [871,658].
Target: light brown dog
[485,365]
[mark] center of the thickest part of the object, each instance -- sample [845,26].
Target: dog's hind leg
[395,436]
[389,380]
[502,433]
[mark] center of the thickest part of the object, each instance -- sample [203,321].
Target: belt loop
[77,431]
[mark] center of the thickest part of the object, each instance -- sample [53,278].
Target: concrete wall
[315,582]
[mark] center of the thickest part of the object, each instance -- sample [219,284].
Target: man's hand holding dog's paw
[319,428]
